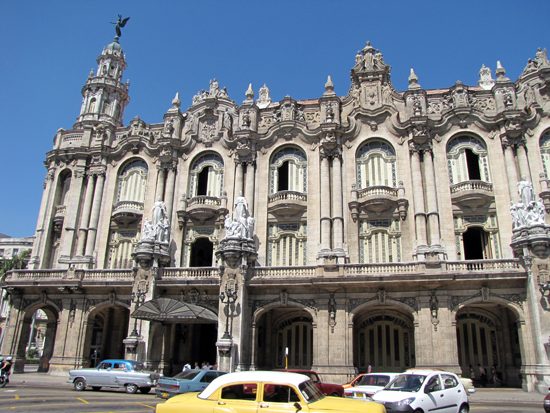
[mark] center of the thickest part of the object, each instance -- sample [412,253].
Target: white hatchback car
[369,384]
[424,391]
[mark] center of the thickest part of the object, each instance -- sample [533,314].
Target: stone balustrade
[181,273]
[472,186]
[108,275]
[377,190]
[285,272]
[483,265]
[390,268]
[123,206]
[204,200]
[34,275]
[287,196]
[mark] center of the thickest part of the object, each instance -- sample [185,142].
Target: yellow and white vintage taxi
[272,391]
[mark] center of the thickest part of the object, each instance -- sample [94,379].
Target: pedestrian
[356,369]
[206,366]
[369,369]
[472,373]
[496,381]
[197,365]
[186,367]
[482,375]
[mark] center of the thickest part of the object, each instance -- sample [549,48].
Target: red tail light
[174,387]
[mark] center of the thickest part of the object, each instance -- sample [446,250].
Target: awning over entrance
[169,310]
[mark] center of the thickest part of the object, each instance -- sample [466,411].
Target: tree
[18,262]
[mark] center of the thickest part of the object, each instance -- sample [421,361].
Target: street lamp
[228,298]
[137,298]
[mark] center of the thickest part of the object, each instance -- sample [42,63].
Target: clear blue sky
[49,47]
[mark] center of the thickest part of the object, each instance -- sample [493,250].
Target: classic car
[424,391]
[328,389]
[185,382]
[273,391]
[547,402]
[369,384]
[127,374]
[354,382]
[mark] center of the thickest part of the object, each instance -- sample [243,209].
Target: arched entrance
[384,340]
[281,331]
[107,327]
[487,335]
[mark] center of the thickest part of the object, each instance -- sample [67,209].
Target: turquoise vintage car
[185,382]
[127,374]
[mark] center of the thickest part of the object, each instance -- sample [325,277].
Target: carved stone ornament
[382,296]
[332,313]
[434,309]
[213,93]
[263,99]
[283,296]
[486,81]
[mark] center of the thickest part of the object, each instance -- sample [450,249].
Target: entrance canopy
[169,310]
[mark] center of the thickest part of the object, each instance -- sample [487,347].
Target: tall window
[132,182]
[477,237]
[380,241]
[206,176]
[287,244]
[91,108]
[288,171]
[107,107]
[545,152]
[121,246]
[467,160]
[376,165]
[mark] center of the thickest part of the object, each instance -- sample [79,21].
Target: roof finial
[329,86]
[249,93]
[176,101]
[118,24]
[413,80]
[500,72]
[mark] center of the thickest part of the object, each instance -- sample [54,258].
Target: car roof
[254,376]
[295,371]
[426,372]
[120,361]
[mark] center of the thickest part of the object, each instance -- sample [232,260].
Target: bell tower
[104,95]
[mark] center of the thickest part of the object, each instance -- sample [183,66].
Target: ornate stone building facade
[372,229]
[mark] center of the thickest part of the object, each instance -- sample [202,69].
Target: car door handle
[264,405]
[459,391]
[221,403]
[441,395]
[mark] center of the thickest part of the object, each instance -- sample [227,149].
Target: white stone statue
[159,212]
[148,232]
[525,189]
[241,208]
[527,211]
[242,224]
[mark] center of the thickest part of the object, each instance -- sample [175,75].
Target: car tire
[95,388]
[144,390]
[464,409]
[131,388]
[79,384]
[418,411]
[335,394]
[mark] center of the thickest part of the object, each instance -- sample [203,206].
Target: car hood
[393,395]
[328,404]
[363,389]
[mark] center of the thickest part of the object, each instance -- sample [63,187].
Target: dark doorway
[201,253]
[202,185]
[473,165]
[475,244]
[283,177]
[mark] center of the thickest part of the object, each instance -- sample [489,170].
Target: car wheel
[131,388]
[95,388]
[144,390]
[464,409]
[418,411]
[79,384]
[334,394]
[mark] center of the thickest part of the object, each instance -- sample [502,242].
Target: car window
[280,393]
[310,391]
[374,380]
[406,382]
[208,377]
[187,375]
[104,366]
[314,377]
[434,384]
[120,366]
[138,367]
[244,391]
[449,381]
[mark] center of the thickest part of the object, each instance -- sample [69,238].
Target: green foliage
[18,262]
[32,353]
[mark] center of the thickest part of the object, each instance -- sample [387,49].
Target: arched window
[296,335]
[132,182]
[107,107]
[379,241]
[376,165]
[121,246]
[476,336]
[467,160]
[287,244]
[477,237]
[288,171]
[65,190]
[545,152]
[206,176]
[91,108]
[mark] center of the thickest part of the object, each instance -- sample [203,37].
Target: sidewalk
[483,395]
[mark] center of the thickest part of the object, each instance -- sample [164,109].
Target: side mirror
[297,406]
[429,389]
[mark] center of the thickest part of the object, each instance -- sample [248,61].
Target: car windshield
[187,375]
[406,382]
[310,392]
[138,367]
[374,380]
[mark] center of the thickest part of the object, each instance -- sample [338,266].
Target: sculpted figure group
[242,224]
[528,211]
[159,229]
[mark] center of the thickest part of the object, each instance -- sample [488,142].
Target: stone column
[337,209]
[43,224]
[92,230]
[508,364]
[523,161]
[253,355]
[160,183]
[511,170]
[431,199]
[325,203]
[170,188]
[418,196]
[239,173]
[85,220]
[249,191]
[71,213]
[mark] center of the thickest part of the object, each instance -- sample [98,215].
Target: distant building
[11,247]
[368,229]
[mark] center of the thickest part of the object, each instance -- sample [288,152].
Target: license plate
[358,394]
[165,395]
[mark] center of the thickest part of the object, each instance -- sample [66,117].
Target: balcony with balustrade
[378,199]
[202,208]
[287,203]
[472,194]
[127,212]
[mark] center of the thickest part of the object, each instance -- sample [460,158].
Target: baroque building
[368,229]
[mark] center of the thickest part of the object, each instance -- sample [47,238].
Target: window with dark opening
[202,186]
[283,177]
[473,165]
[475,244]
[201,253]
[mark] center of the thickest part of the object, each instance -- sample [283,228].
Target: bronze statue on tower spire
[120,23]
